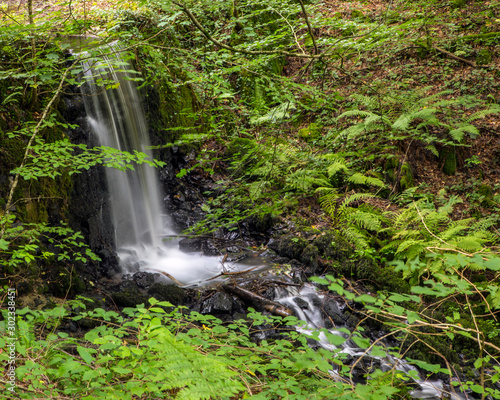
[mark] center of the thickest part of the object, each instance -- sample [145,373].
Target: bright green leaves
[54,159]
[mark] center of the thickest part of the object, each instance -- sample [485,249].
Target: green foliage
[422,230]
[164,352]
[411,320]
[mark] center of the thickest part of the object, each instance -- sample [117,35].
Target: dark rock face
[219,303]
[144,279]
[332,314]
[90,211]
[171,293]
[190,245]
[288,246]
[127,294]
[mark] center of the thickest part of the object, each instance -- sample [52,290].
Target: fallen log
[258,301]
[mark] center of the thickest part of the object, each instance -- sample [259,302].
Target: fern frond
[495,108]
[366,220]
[360,179]
[448,207]
[458,134]
[367,101]
[404,121]
[337,166]
[355,236]
[355,113]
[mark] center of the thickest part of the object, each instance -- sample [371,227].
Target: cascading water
[303,303]
[116,116]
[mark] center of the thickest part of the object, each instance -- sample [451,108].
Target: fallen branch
[226,273]
[258,301]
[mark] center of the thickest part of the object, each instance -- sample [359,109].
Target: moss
[484,57]
[406,180]
[449,159]
[313,131]
[289,246]
[310,256]
[458,3]
[65,283]
[171,293]
[358,15]
[486,193]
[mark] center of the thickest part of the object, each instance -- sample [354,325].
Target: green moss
[458,3]
[406,180]
[313,131]
[449,159]
[171,293]
[484,57]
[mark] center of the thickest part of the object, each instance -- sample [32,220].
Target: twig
[309,27]
[227,273]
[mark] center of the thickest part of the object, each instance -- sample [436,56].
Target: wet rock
[332,313]
[127,294]
[144,279]
[190,245]
[288,246]
[167,292]
[301,303]
[351,320]
[233,249]
[219,303]
[209,249]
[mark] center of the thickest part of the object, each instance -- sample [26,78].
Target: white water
[428,389]
[116,117]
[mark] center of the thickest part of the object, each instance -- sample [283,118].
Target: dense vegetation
[372,125]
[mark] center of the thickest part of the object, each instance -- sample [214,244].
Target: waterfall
[116,117]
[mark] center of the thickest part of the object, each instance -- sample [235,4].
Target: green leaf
[4,245]
[364,343]
[365,298]
[477,389]
[85,354]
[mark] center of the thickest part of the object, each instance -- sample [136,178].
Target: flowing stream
[140,222]
[304,302]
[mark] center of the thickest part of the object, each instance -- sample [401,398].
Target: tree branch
[309,27]
[233,49]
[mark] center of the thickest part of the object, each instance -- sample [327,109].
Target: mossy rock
[486,192]
[406,180]
[65,283]
[128,295]
[289,246]
[313,131]
[458,3]
[449,159]
[484,57]
[309,256]
[357,14]
[171,293]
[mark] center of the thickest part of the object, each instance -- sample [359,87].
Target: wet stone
[220,302]
[144,279]
[301,303]
[333,316]
[190,245]
[209,249]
